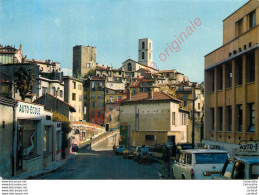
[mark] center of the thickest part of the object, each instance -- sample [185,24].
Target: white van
[199,163]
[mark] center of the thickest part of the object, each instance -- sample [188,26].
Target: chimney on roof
[150,94]
[129,94]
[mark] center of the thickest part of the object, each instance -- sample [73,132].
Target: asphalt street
[104,165]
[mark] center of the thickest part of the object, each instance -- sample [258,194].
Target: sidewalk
[47,170]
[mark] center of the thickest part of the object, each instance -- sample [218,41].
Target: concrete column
[224,102]
[244,98]
[256,94]
[216,124]
[233,100]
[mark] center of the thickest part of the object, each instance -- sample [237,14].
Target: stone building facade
[84,60]
[232,81]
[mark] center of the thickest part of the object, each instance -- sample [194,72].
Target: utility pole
[193,110]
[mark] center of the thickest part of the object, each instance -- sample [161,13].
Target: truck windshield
[211,158]
[255,171]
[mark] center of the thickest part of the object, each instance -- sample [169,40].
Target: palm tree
[24,80]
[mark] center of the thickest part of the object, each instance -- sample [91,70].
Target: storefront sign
[29,109]
[248,149]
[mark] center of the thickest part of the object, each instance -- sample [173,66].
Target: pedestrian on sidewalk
[165,161]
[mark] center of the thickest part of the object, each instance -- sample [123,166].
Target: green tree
[90,73]
[24,80]
[66,129]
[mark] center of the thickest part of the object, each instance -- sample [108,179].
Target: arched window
[129,67]
[143,45]
[143,55]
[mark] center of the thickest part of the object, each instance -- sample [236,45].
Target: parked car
[198,163]
[136,153]
[169,145]
[75,147]
[245,165]
[120,149]
[128,152]
[145,155]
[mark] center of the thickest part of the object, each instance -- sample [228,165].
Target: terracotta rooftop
[7,101]
[72,109]
[99,67]
[166,71]
[143,96]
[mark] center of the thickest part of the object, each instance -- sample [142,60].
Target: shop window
[46,140]
[228,75]
[211,80]
[239,118]
[238,71]
[250,67]
[29,138]
[251,19]
[150,137]
[251,108]
[220,118]
[219,78]
[229,118]
[212,119]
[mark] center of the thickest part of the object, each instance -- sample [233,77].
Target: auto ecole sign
[31,109]
[248,149]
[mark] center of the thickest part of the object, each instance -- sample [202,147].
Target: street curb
[42,172]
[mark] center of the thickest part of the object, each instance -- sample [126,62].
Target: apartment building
[94,99]
[10,55]
[113,100]
[153,118]
[74,96]
[232,81]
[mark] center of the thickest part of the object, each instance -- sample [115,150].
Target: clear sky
[48,29]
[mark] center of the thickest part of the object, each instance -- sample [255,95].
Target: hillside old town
[88,125]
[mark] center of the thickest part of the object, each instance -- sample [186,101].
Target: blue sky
[49,29]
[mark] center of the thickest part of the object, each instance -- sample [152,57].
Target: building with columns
[232,81]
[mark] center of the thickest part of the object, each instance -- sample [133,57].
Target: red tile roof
[143,96]
[166,71]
